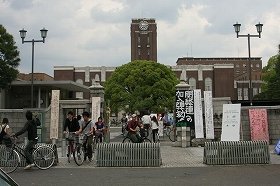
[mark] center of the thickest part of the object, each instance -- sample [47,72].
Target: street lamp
[249,69]
[43,35]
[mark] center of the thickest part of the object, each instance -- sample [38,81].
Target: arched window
[192,83]
[208,84]
[79,95]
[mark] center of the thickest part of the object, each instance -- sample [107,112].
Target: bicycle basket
[7,141]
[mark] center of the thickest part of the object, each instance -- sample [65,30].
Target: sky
[97,32]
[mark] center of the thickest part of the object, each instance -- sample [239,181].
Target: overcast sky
[97,32]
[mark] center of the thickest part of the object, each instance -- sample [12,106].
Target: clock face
[143,25]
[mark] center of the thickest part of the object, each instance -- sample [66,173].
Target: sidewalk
[171,156]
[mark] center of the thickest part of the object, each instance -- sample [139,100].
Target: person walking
[154,127]
[31,128]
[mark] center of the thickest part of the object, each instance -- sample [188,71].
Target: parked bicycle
[144,133]
[75,148]
[43,157]
[172,135]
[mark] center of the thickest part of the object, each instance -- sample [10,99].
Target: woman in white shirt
[154,123]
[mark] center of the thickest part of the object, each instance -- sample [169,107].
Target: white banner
[95,108]
[54,114]
[208,109]
[198,120]
[231,122]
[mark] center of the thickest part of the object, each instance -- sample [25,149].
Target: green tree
[141,85]
[9,58]
[271,79]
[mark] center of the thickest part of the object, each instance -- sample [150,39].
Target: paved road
[181,166]
[212,175]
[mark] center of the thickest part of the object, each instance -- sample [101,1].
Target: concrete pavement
[171,156]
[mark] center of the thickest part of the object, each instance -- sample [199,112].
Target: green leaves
[141,85]
[9,58]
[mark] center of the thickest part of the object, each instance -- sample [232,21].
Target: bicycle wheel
[146,140]
[43,157]
[127,140]
[79,154]
[172,135]
[9,160]
[167,131]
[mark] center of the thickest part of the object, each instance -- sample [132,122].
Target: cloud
[97,33]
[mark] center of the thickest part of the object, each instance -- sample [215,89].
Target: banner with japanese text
[198,119]
[184,107]
[54,114]
[231,122]
[208,110]
[258,124]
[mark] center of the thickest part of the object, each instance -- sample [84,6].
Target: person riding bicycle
[72,125]
[132,132]
[99,129]
[87,128]
[31,128]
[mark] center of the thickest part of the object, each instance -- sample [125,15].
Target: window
[245,92]
[192,83]
[257,65]
[97,79]
[255,91]
[208,84]
[79,95]
[239,94]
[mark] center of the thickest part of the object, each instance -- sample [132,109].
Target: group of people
[83,125]
[145,122]
[30,127]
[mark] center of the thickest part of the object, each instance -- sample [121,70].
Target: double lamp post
[249,69]
[43,35]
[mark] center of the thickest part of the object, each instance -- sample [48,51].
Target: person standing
[71,123]
[5,130]
[154,127]
[99,129]
[87,129]
[31,128]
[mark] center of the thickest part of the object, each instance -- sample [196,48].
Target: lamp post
[249,69]
[43,35]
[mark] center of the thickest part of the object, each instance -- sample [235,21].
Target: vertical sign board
[95,108]
[184,108]
[54,114]
[198,120]
[231,122]
[209,123]
[258,124]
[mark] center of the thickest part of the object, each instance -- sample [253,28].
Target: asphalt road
[253,175]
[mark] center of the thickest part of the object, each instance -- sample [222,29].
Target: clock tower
[143,33]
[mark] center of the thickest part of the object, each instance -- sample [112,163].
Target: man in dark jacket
[31,128]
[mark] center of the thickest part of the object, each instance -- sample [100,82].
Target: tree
[271,79]
[9,58]
[141,85]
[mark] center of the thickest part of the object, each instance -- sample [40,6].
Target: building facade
[143,33]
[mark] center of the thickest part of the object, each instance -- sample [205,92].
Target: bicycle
[144,137]
[95,141]
[43,157]
[172,134]
[76,148]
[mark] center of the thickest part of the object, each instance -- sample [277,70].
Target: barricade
[128,155]
[236,152]
[22,158]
